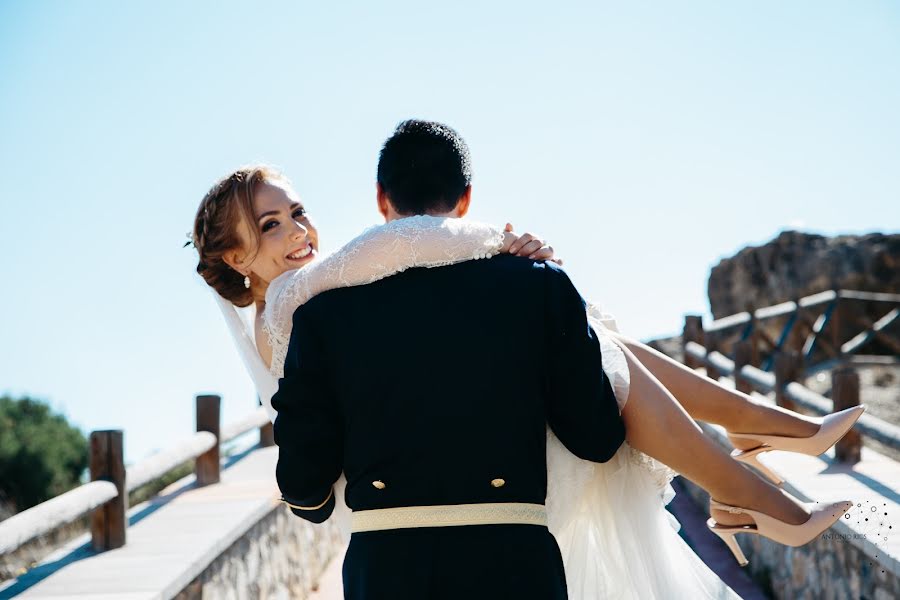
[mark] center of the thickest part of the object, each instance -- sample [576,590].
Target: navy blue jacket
[426,387]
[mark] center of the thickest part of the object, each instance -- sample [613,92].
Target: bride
[258,248]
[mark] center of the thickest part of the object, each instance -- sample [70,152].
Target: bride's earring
[247,281]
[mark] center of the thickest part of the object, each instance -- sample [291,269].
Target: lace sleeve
[379,252]
[614,364]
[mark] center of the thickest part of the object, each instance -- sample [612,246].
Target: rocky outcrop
[797,264]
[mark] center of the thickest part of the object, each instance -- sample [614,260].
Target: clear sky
[646,141]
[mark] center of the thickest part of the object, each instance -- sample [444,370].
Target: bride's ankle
[780,505]
[723,517]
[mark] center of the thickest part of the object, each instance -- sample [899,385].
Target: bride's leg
[658,426]
[710,401]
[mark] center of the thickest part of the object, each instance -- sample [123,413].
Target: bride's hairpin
[196,241]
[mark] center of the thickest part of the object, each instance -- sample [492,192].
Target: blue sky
[644,140]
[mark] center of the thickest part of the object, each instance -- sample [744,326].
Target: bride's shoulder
[274,292]
[261,339]
[280,282]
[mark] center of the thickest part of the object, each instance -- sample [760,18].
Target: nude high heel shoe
[831,429]
[821,518]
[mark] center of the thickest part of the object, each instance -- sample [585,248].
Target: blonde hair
[216,228]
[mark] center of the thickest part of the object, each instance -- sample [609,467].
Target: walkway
[171,540]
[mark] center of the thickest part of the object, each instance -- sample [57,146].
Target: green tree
[41,454]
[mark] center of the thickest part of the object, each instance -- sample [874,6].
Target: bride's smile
[301,253]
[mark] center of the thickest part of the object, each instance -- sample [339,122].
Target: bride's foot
[829,429]
[820,517]
[771,420]
[807,435]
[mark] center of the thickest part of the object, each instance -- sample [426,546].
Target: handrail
[870,296]
[69,506]
[817,299]
[786,308]
[159,464]
[254,420]
[728,322]
[776,310]
[46,516]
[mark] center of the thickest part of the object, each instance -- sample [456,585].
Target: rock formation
[797,264]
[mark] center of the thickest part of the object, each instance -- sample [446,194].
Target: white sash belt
[450,515]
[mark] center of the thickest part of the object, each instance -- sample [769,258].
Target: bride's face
[287,238]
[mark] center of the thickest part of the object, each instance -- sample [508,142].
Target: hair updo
[216,228]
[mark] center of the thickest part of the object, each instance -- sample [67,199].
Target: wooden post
[795,337]
[754,340]
[845,393]
[206,468]
[108,522]
[266,433]
[266,436]
[787,369]
[692,332]
[836,323]
[743,355]
[712,344]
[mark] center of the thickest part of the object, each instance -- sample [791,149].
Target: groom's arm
[582,409]
[308,428]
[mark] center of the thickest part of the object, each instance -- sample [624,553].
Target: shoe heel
[751,457]
[727,536]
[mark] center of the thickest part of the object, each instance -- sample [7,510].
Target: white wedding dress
[617,540]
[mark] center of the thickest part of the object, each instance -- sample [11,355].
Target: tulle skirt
[617,539]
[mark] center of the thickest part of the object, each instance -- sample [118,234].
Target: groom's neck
[386,207]
[393,215]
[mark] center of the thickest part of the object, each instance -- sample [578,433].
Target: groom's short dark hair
[424,167]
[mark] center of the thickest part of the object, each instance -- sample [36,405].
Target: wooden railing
[826,329]
[760,362]
[106,495]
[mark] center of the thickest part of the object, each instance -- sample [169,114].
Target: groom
[432,390]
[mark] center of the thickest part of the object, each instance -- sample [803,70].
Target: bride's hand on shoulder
[528,245]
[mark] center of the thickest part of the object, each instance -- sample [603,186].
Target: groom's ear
[384,205]
[462,205]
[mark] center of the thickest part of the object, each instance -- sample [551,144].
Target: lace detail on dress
[661,474]
[380,251]
[614,364]
[616,368]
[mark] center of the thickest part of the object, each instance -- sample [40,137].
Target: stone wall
[831,567]
[797,264]
[281,557]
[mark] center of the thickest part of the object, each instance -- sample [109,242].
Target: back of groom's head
[424,167]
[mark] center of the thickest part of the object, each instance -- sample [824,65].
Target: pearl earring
[247,281]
